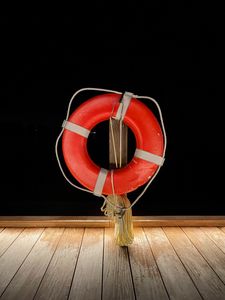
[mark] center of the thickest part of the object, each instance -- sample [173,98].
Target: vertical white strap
[156,159]
[100,182]
[119,112]
[124,104]
[76,128]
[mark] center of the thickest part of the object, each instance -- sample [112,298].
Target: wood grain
[207,282]
[26,281]
[59,264]
[12,259]
[146,276]
[216,235]
[7,237]
[222,228]
[117,280]
[212,254]
[178,283]
[54,221]
[1,228]
[57,280]
[87,281]
[101,221]
[116,130]
[172,221]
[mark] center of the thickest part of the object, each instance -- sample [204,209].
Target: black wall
[173,53]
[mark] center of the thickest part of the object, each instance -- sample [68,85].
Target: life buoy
[149,142]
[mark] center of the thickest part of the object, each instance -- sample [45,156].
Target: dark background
[172,52]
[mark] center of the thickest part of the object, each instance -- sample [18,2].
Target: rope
[113,141]
[60,134]
[122,218]
[123,230]
[121,145]
[88,191]
[164,150]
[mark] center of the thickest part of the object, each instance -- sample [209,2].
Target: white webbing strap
[100,182]
[156,159]
[76,128]
[124,104]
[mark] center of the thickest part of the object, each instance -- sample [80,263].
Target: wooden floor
[84,263]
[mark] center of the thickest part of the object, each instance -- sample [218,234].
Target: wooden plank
[26,281]
[102,221]
[222,228]
[158,221]
[7,237]
[216,235]
[87,281]
[117,278]
[148,283]
[176,279]
[12,259]
[206,280]
[116,131]
[212,254]
[57,280]
[54,221]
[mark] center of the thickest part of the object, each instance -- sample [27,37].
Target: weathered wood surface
[84,263]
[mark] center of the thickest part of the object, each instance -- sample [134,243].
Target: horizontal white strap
[156,159]
[100,182]
[124,104]
[76,128]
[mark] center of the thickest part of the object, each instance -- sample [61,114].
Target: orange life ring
[147,132]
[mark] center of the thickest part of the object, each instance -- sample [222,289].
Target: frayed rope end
[115,208]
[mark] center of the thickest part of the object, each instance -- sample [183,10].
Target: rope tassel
[115,208]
